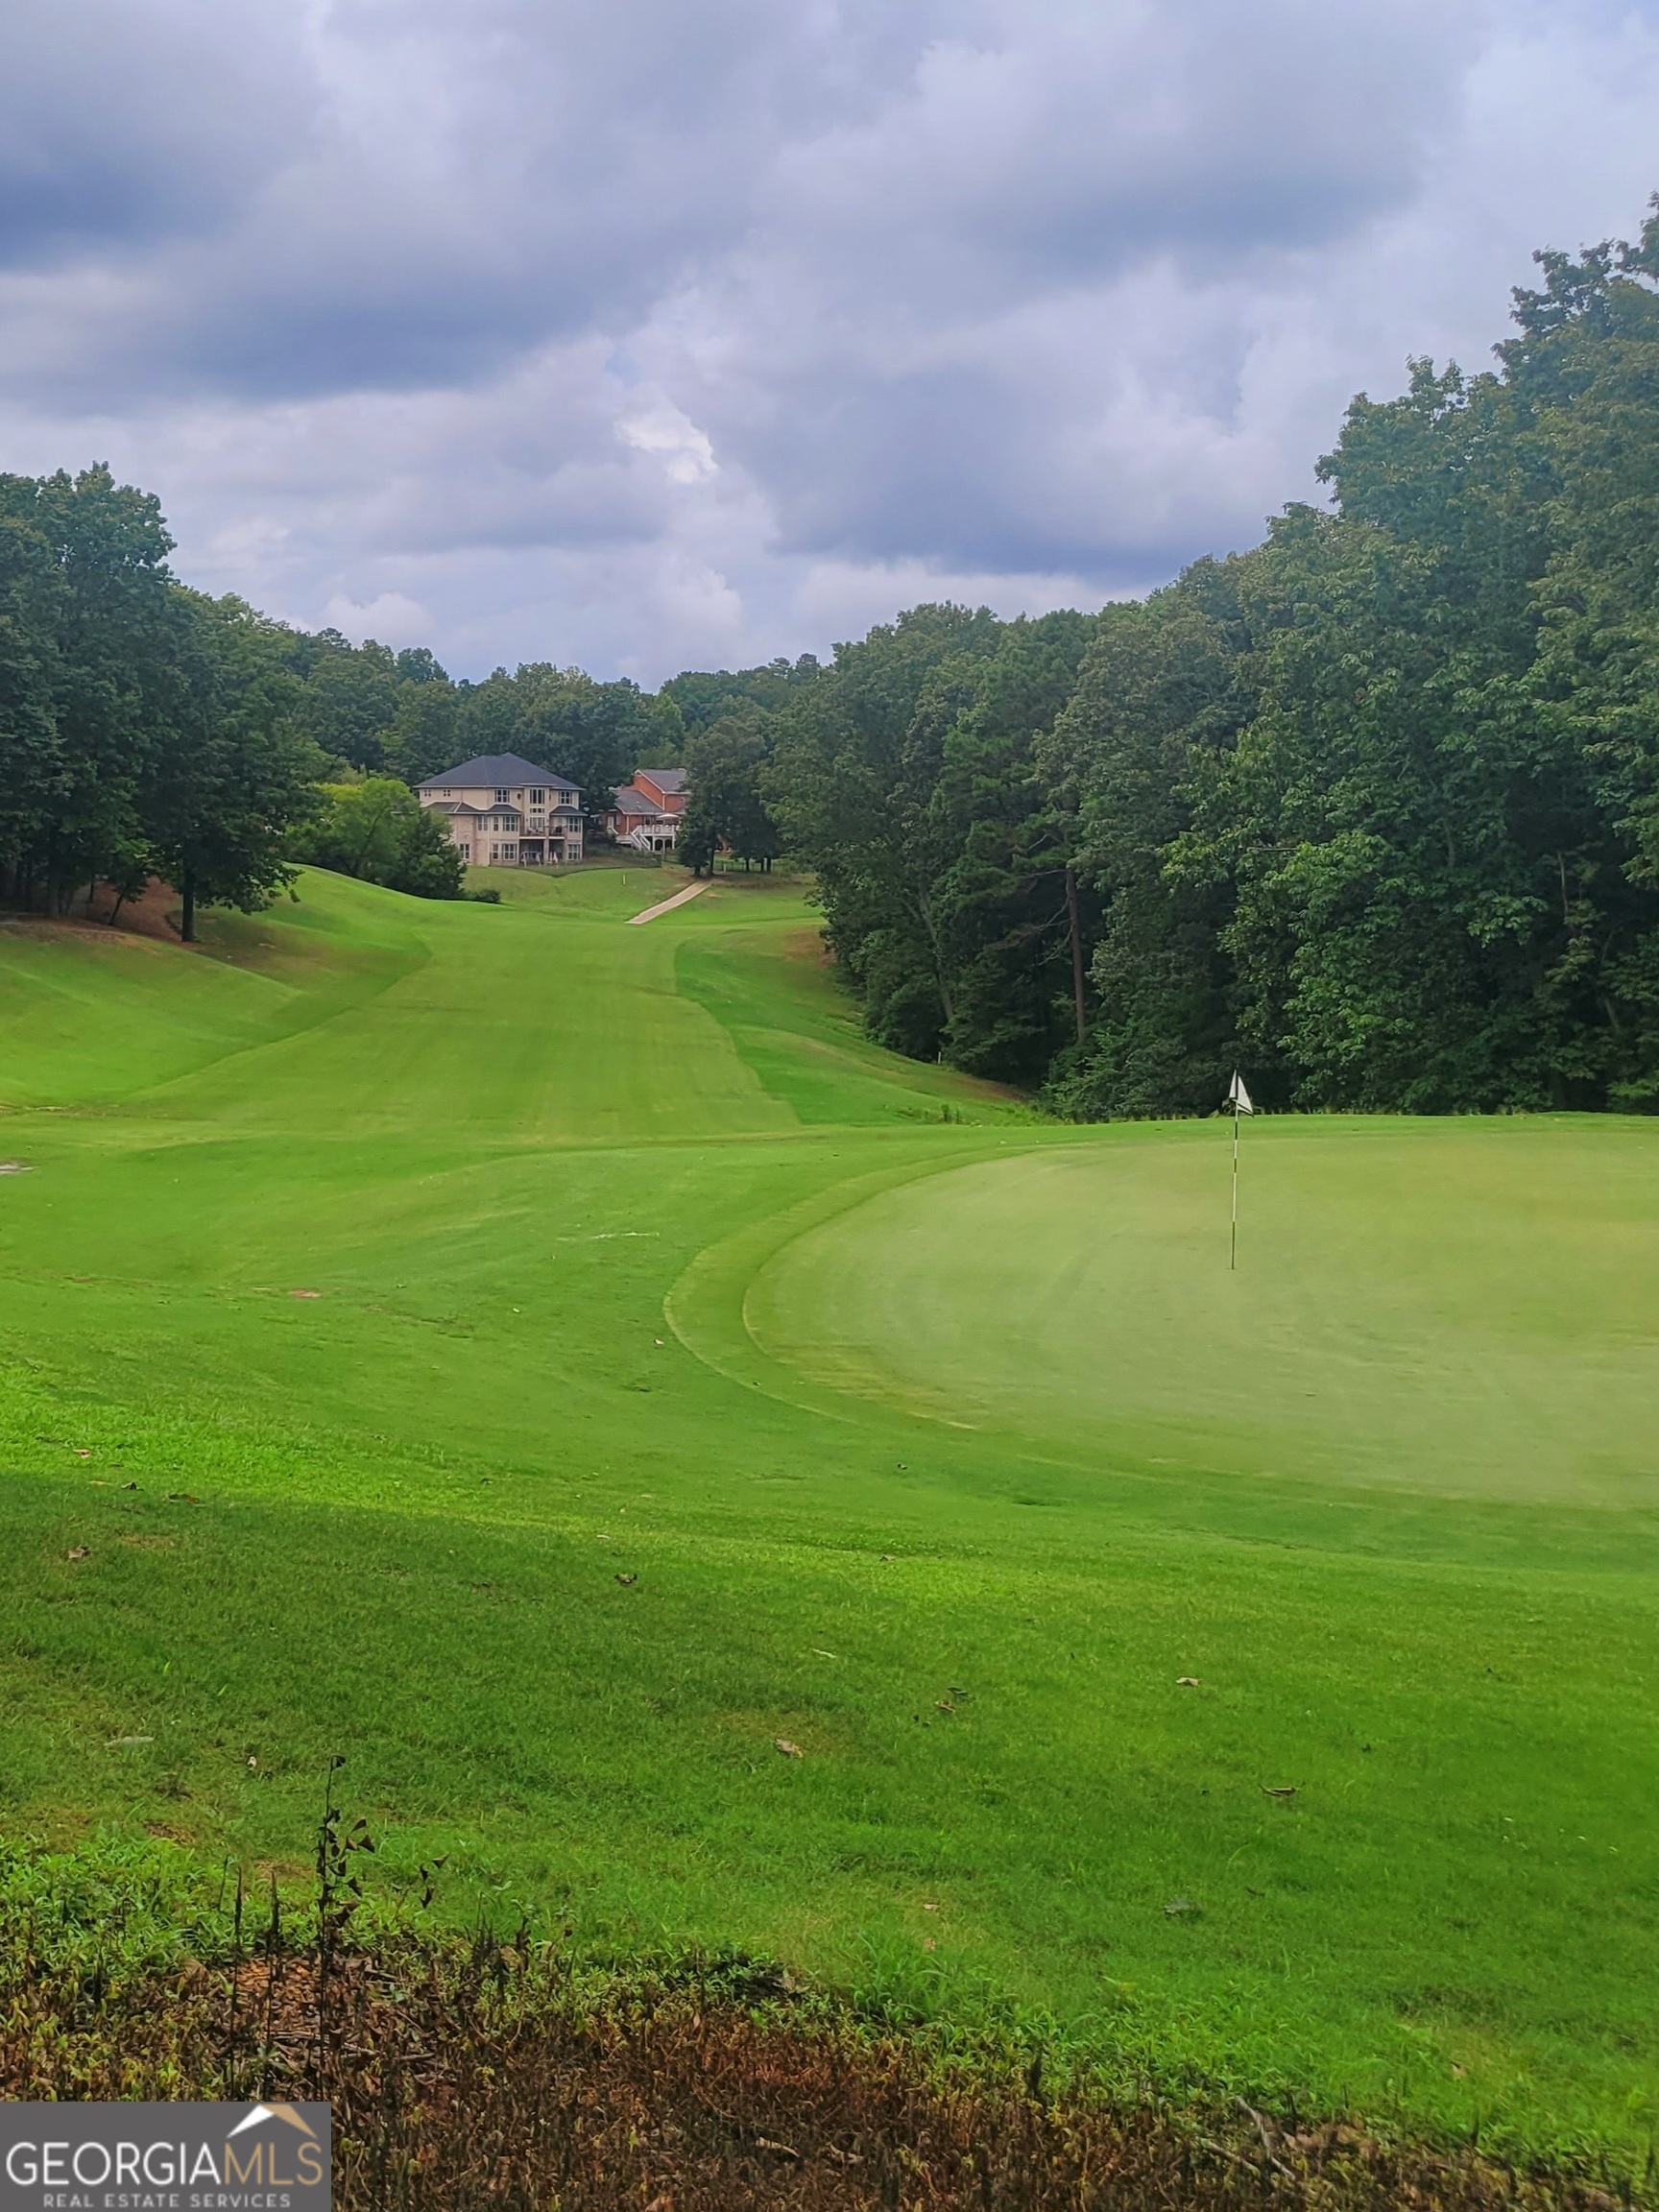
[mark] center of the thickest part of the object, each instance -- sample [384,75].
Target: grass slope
[391,1279]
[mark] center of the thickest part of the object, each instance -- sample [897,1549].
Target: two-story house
[505,812]
[647,812]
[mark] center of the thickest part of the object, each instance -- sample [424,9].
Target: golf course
[717,1483]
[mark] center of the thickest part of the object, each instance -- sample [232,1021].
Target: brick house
[505,812]
[647,812]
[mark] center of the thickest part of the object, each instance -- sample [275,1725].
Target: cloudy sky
[654,333]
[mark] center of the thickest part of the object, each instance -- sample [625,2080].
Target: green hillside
[549,1361]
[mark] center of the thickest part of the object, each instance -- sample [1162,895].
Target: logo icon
[165,2158]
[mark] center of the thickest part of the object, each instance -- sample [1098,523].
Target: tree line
[144,728]
[150,730]
[1371,809]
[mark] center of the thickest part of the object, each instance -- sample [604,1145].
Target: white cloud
[389,617]
[662,429]
[667,331]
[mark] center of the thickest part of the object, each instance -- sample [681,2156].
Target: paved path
[667,905]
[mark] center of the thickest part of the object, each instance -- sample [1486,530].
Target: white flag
[1237,1097]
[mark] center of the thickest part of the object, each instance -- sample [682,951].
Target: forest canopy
[1371,809]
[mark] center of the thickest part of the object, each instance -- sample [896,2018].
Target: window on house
[502,797]
[537,798]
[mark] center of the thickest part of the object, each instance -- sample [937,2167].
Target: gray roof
[627,801]
[499,772]
[668,780]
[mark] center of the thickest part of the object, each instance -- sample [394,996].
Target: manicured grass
[629,1255]
[1465,1306]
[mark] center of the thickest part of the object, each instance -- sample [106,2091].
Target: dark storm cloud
[390,192]
[1058,154]
[411,193]
[121,124]
[740,303]
[1062,144]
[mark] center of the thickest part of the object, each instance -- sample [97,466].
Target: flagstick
[1232,1254]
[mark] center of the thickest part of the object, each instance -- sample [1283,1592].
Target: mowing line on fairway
[1372,1521]
[667,905]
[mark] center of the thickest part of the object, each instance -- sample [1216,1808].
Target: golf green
[1461,1307]
[550,1362]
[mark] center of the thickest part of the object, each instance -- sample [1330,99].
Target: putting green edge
[705,1307]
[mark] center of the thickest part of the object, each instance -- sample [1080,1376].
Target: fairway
[547,1360]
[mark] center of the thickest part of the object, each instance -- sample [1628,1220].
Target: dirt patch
[154,913]
[807,946]
[151,918]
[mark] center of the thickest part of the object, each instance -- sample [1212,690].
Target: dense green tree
[664,747]
[1586,369]
[1370,822]
[221,800]
[906,778]
[416,664]
[33,590]
[724,763]
[858,755]
[698,840]
[1434,824]
[429,865]
[1009,926]
[351,700]
[701,697]
[589,732]
[1161,693]
[143,727]
[360,827]
[1371,809]
[377,830]
[116,688]
[425,734]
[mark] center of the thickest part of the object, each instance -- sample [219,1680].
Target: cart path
[667,905]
